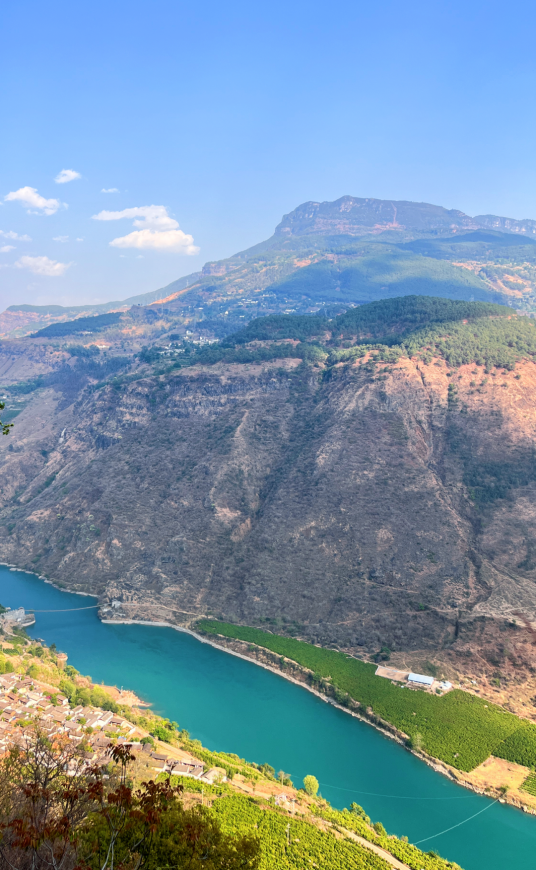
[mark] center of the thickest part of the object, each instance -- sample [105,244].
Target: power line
[67,610]
[458,825]
[394,796]
[412,798]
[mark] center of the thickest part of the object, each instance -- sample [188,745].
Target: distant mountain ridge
[353,215]
[313,255]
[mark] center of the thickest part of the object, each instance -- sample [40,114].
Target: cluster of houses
[24,701]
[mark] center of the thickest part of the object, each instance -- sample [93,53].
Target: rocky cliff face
[351,507]
[354,215]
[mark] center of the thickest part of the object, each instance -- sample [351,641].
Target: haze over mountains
[332,431]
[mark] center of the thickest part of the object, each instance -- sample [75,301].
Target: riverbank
[229,706]
[494,778]
[488,779]
[124,696]
[250,791]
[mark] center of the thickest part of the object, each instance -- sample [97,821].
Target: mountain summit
[355,216]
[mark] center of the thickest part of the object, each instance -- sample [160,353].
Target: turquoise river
[233,705]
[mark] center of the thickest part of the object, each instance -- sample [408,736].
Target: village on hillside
[26,703]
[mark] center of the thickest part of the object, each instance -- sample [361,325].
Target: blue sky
[225,116]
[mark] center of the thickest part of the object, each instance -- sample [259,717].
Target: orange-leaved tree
[60,812]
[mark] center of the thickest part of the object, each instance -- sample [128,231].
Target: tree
[59,813]
[5,427]
[310,784]
[359,811]
[162,733]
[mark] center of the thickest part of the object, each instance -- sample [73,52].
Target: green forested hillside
[384,272]
[459,332]
[277,327]
[475,245]
[83,324]
[403,315]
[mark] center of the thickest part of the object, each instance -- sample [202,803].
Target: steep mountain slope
[375,274]
[375,489]
[369,241]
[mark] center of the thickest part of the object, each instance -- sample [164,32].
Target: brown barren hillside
[356,507]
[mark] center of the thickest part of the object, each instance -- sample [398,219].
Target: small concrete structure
[414,681]
[17,618]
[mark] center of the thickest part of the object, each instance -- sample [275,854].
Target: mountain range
[360,248]
[330,434]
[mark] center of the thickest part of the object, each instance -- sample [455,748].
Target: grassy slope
[457,728]
[95,323]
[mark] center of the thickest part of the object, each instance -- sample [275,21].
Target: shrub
[310,784]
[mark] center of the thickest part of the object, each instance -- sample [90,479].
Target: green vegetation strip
[457,728]
[302,845]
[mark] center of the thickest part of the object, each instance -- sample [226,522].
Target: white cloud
[169,240]
[42,266]
[14,236]
[110,190]
[5,249]
[79,240]
[153,217]
[66,175]
[157,230]
[29,197]
[60,239]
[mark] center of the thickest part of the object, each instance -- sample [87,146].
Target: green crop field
[306,846]
[530,784]
[405,852]
[457,728]
[290,842]
[520,746]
